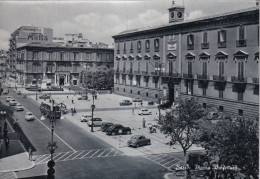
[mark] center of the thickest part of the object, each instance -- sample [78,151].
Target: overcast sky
[99,20]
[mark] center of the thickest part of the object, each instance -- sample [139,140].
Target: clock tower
[176,13]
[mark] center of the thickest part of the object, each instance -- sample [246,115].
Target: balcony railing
[155,73]
[202,77]
[255,81]
[235,79]
[204,45]
[188,76]
[241,43]
[190,47]
[145,73]
[137,72]
[130,71]
[219,78]
[222,44]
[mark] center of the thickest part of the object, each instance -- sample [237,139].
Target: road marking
[77,155]
[63,155]
[10,126]
[53,133]
[57,155]
[85,154]
[115,153]
[102,153]
[94,154]
[174,160]
[44,159]
[109,152]
[70,155]
[41,156]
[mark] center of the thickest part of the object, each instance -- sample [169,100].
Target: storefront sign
[172,43]
[37,37]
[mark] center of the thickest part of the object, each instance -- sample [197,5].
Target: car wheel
[128,132]
[113,133]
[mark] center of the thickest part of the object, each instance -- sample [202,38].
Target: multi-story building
[213,58]
[24,35]
[61,65]
[3,58]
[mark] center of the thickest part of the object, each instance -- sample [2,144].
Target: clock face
[179,14]
[172,15]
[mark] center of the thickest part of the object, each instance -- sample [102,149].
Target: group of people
[4,140]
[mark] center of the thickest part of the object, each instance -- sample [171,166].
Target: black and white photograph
[129,89]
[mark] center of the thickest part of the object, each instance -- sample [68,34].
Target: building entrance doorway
[171,92]
[62,79]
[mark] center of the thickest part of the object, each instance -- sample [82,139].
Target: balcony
[204,45]
[188,76]
[219,78]
[145,73]
[238,80]
[190,47]
[222,44]
[241,43]
[137,72]
[155,73]
[156,49]
[129,71]
[202,77]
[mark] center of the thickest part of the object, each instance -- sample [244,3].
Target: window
[75,56]
[221,38]
[99,56]
[107,56]
[241,69]
[190,42]
[240,96]
[139,67]
[147,94]
[156,95]
[118,48]
[204,105]
[146,67]
[22,56]
[241,42]
[131,91]
[124,89]
[205,44]
[35,56]
[189,88]
[204,91]
[88,55]
[124,50]
[240,112]
[138,92]
[124,66]
[204,68]
[138,46]
[221,109]
[189,67]
[220,93]
[156,45]
[62,56]
[131,67]
[221,68]
[131,48]
[147,45]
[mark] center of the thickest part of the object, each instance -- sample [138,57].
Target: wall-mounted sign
[172,43]
[37,37]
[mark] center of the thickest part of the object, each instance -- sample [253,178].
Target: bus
[46,109]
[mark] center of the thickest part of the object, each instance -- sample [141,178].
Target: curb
[17,170]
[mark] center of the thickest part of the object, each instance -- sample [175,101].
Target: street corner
[18,162]
[169,176]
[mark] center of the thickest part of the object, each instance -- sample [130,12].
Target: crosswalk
[76,155]
[166,160]
[7,175]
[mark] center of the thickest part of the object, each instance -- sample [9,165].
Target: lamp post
[93,107]
[52,145]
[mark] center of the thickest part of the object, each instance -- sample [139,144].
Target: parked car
[85,118]
[8,98]
[83,98]
[19,93]
[105,126]
[12,102]
[96,122]
[144,112]
[19,107]
[125,102]
[137,100]
[29,116]
[138,140]
[118,129]
[5,91]
[45,96]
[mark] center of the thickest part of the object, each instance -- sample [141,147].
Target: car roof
[137,136]
[29,113]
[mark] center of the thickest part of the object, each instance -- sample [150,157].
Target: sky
[99,20]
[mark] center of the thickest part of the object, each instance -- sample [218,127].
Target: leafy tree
[182,123]
[235,142]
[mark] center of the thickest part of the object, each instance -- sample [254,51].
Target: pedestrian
[135,104]
[75,110]
[156,116]
[6,143]
[5,133]
[141,103]
[30,153]
[143,123]
[72,111]
[72,100]
[133,111]
[67,97]
[69,88]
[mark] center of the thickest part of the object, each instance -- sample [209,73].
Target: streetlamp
[93,107]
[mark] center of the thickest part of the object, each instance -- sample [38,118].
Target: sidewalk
[16,162]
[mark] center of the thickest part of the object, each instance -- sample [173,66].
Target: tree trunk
[185,161]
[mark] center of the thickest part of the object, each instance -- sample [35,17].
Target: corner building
[214,59]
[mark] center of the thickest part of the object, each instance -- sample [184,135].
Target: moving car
[29,116]
[85,118]
[137,100]
[12,102]
[45,96]
[83,98]
[138,140]
[144,112]
[118,129]
[125,102]
[8,98]
[5,91]
[96,122]
[105,126]
[18,92]
[19,107]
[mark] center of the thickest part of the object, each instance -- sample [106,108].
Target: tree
[181,124]
[235,142]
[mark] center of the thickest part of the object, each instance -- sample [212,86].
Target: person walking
[72,100]
[143,123]
[75,110]
[156,117]
[30,153]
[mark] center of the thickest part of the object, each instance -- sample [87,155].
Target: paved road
[80,154]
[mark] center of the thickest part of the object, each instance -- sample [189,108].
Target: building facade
[3,58]
[61,65]
[214,59]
